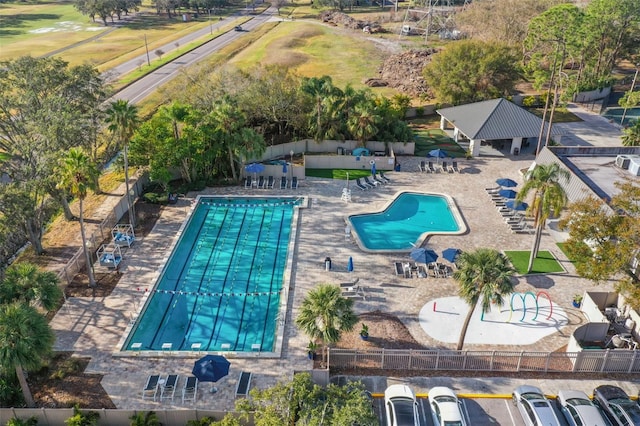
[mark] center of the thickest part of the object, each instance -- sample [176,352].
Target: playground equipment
[523,297]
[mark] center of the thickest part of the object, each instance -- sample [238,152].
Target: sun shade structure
[496,119]
[423,255]
[211,368]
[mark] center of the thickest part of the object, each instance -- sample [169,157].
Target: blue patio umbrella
[284,168]
[350,264]
[438,153]
[507,193]
[423,255]
[516,205]
[373,168]
[211,368]
[254,168]
[451,254]
[507,183]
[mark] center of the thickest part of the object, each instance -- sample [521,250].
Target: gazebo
[494,120]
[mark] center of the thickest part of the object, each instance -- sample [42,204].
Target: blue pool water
[408,219]
[615,114]
[221,286]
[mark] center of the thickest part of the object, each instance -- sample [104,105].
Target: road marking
[506,403]
[465,412]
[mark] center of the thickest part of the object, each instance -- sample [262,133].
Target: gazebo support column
[443,123]
[456,134]
[516,144]
[474,147]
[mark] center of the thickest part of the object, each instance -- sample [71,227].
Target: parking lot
[479,412]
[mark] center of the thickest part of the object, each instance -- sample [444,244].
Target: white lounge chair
[247,182]
[270,182]
[168,388]
[244,384]
[190,389]
[283,182]
[383,176]
[261,182]
[150,389]
[294,182]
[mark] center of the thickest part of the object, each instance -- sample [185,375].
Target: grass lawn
[545,263]
[338,173]
[560,115]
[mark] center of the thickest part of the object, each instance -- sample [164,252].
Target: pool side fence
[589,361]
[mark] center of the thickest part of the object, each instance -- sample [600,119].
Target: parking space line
[465,411]
[513,421]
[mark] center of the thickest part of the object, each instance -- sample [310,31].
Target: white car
[401,406]
[578,409]
[534,407]
[446,408]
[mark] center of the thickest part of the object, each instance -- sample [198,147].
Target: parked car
[578,409]
[534,407]
[446,408]
[401,406]
[617,406]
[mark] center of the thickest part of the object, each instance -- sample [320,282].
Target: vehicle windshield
[445,398]
[532,395]
[578,401]
[632,409]
[458,423]
[404,411]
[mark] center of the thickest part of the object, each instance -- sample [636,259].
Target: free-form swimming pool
[221,288]
[407,221]
[615,114]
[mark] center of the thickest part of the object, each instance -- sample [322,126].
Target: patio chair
[351,284]
[423,166]
[150,389]
[261,182]
[360,185]
[422,272]
[247,182]
[270,182]
[431,168]
[283,182]
[383,176]
[445,167]
[168,388]
[379,179]
[190,389]
[294,182]
[454,167]
[244,384]
[352,292]
[399,268]
[370,182]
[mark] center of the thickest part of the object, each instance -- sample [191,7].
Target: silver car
[535,409]
[446,408]
[578,409]
[401,406]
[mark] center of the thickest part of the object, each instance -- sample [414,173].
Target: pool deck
[93,327]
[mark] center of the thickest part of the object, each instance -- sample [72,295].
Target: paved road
[142,88]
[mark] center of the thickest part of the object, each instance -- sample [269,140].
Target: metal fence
[78,260]
[610,361]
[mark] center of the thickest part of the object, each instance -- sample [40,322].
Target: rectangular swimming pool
[221,288]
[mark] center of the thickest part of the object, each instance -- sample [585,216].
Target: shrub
[419,111]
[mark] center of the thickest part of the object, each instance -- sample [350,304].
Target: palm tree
[548,198]
[319,89]
[76,174]
[25,282]
[631,135]
[363,122]
[485,275]
[26,340]
[123,120]
[325,314]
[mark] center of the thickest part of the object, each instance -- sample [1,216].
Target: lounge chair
[384,177]
[270,182]
[294,182]
[168,388]
[422,272]
[190,389]
[399,268]
[370,182]
[360,185]
[431,168]
[261,182]
[454,167]
[379,179]
[247,182]
[351,292]
[423,166]
[244,384]
[283,182]
[444,167]
[351,284]
[150,390]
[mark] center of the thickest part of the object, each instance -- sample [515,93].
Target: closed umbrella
[350,264]
[516,205]
[507,193]
[423,255]
[373,168]
[211,368]
[507,183]
[284,168]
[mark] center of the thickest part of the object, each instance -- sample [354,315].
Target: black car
[237,28]
[616,404]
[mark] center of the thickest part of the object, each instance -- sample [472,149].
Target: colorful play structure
[523,297]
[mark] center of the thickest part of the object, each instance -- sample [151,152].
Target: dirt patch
[63,383]
[404,72]
[385,331]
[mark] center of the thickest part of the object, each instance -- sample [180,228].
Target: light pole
[146,47]
[633,85]
[291,163]
[210,25]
